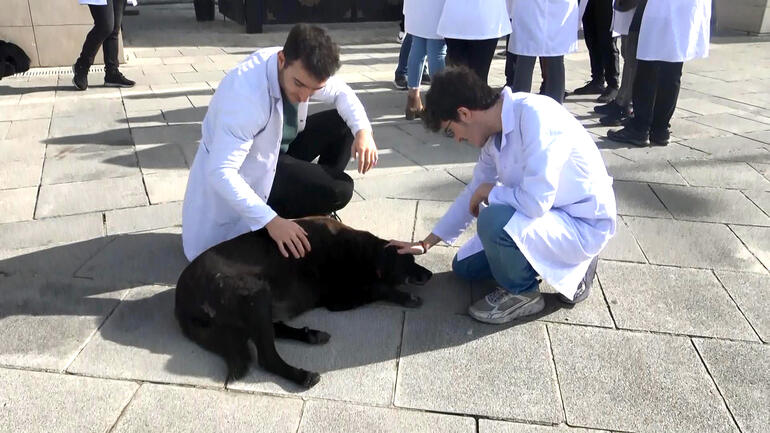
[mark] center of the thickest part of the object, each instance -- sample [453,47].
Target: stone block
[26,112]
[28,130]
[686,129]
[20,174]
[430,185]
[58,12]
[86,162]
[160,158]
[623,246]
[53,260]
[386,218]
[643,171]
[734,148]
[109,108]
[721,174]
[731,122]
[492,426]
[89,130]
[434,151]
[143,218]
[17,204]
[637,199]
[752,294]
[757,240]
[60,45]
[15,14]
[710,205]
[51,231]
[166,186]
[90,196]
[185,115]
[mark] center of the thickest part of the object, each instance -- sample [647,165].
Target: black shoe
[584,288]
[400,82]
[628,135]
[616,117]
[660,138]
[593,87]
[425,79]
[608,95]
[80,80]
[116,79]
[502,54]
[608,108]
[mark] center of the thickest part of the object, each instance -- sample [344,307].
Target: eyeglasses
[448,132]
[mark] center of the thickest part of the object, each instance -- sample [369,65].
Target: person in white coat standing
[471,29]
[107,15]
[551,207]
[254,168]
[671,32]
[547,30]
[421,22]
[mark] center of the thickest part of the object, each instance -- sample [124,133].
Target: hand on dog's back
[289,236]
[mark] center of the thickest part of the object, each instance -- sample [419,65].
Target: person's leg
[436,50]
[628,48]
[553,68]
[510,68]
[403,57]
[607,45]
[416,62]
[327,137]
[104,22]
[590,34]
[480,56]
[522,81]
[645,89]
[472,268]
[456,52]
[667,94]
[110,44]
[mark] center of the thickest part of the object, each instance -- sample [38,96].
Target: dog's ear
[385,256]
[419,275]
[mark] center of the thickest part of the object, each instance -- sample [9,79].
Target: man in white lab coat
[254,168]
[550,204]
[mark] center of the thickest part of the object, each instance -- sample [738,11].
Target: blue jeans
[403,55]
[436,52]
[501,259]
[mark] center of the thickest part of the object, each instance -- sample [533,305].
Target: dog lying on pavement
[243,289]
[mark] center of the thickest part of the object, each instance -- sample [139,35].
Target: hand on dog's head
[396,269]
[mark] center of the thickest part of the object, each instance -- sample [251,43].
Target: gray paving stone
[733,147]
[20,174]
[492,426]
[687,129]
[731,122]
[159,158]
[49,402]
[637,199]
[453,364]
[644,171]
[623,246]
[763,136]
[637,382]
[433,150]
[78,163]
[26,111]
[112,107]
[146,119]
[325,416]
[141,340]
[166,186]
[192,115]
[721,174]
[463,172]
[710,205]
[358,364]
[176,409]
[17,204]
[673,300]
[32,129]
[89,130]
[761,199]
[445,292]
[430,185]
[763,169]
[742,373]
[139,103]
[691,244]
[143,218]
[389,162]
[429,213]
[51,231]
[757,240]
[90,196]
[386,218]
[4,127]
[702,106]
[752,294]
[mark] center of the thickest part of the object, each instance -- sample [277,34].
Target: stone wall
[752,16]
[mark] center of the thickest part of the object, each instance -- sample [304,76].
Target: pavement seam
[714,382]
[721,283]
[606,302]
[125,408]
[398,358]
[743,191]
[730,227]
[633,235]
[414,221]
[301,415]
[555,372]
[42,167]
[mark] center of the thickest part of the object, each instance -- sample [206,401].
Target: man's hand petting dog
[481,195]
[289,237]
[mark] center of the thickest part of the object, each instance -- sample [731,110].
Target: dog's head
[394,268]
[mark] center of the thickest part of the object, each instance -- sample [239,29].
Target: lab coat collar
[508,121]
[274,87]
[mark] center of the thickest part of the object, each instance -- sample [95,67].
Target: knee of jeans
[460,269]
[492,220]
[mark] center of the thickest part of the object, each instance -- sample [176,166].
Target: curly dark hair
[311,44]
[453,88]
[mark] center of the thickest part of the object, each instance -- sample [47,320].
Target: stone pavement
[673,339]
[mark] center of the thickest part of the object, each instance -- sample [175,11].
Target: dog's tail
[228,342]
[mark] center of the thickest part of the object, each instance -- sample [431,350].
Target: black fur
[243,289]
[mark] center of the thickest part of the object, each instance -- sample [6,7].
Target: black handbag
[625,5]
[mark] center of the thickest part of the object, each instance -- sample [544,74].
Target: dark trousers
[475,54]
[107,21]
[602,47]
[552,68]
[656,90]
[303,188]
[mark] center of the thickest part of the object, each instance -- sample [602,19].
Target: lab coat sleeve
[231,143]
[351,110]
[544,155]
[458,217]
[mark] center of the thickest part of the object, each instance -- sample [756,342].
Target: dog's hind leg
[226,341]
[305,335]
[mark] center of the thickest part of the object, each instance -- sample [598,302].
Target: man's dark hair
[453,88]
[320,56]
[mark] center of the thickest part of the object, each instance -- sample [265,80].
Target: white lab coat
[233,171]
[543,28]
[675,30]
[421,17]
[551,172]
[474,19]
[621,21]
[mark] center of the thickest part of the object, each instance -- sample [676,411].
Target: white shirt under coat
[675,30]
[551,172]
[543,28]
[421,17]
[474,19]
[233,171]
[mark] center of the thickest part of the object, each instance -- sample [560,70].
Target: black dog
[243,289]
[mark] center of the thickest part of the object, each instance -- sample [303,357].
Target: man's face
[465,128]
[296,82]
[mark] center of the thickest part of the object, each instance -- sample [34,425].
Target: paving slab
[445,293]
[761,199]
[625,381]
[358,364]
[731,122]
[139,103]
[433,150]
[733,147]
[20,174]
[687,129]
[33,129]
[143,218]
[78,163]
[386,218]
[50,231]
[26,111]
[757,240]
[175,410]
[710,205]
[72,107]
[321,416]
[763,136]
[751,293]
[691,244]
[167,186]
[4,127]
[89,130]
[141,340]
[492,426]
[429,185]
[50,402]
[428,215]
[623,246]
[721,174]
[702,106]
[453,364]
[90,196]
[389,162]
[176,134]
[742,373]
[621,168]
[637,199]
[672,300]
[17,204]
[462,172]
[158,158]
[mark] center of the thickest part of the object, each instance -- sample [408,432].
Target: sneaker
[608,108]
[116,79]
[584,288]
[593,87]
[400,82]
[628,135]
[609,94]
[425,79]
[616,117]
[80,80]
[502,306]
[660,138]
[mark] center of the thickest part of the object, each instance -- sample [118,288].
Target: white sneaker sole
[528,309]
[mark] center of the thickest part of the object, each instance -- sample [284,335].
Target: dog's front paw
[413,301]
[311,378]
